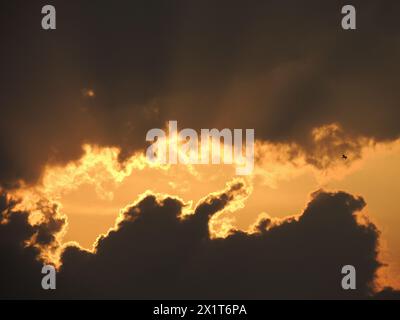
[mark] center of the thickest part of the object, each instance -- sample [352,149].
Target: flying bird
[344,157]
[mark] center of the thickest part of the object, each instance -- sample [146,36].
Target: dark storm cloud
[51,225]
[155,254]
[281,67]
[388,294]
[20,268]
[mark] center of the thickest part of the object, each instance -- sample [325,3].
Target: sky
[77,191]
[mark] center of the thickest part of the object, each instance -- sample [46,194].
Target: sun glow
[90,193]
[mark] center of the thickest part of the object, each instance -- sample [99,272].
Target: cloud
[388,294]
[20,268]
[290,73]
[155,252]
[160,248]
[280,70]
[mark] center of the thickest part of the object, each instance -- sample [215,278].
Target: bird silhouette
[344,157]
